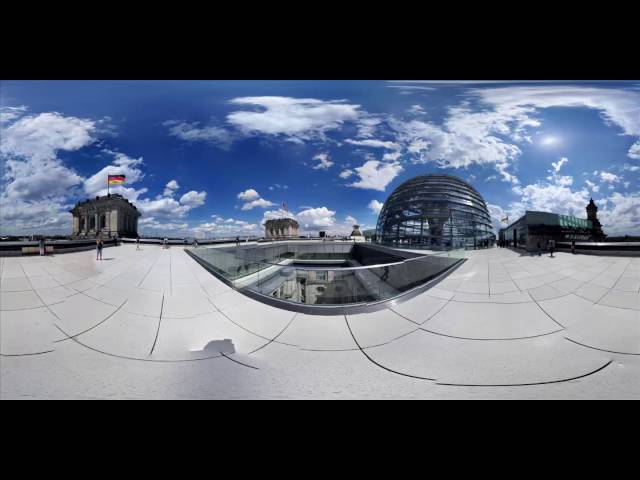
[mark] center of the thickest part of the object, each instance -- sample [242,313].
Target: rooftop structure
[155,324]
[281,228]
[108,216]
[535,228]
[437,212]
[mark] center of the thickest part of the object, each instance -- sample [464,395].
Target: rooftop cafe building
[534,227]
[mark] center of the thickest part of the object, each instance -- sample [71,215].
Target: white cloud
[391,157]
[631,168]
[248,195]
[558,165]
[170,188]
[9,114]
[609,177]
[40,137]
[122,164]
[620,214]
[324,164]
[618,106]
[416,110]
[316,217]
[594,188]
[296,119]
[376,175]
[36,185]
[193,199]
[373,143]
[192,132]
[375,206]
[261,203]
[346,173]
[252,200]
[634,151]
[465,138]
[490,177]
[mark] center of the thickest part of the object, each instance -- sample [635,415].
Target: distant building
[107,216]
[281,228]
[540,227]
[356,231]
[592,214]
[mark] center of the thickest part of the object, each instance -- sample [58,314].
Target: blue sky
[217,158]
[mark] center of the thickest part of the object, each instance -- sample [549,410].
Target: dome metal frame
[435,211]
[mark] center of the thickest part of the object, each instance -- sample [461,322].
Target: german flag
[116,179]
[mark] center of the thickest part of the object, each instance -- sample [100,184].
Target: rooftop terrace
[155,324]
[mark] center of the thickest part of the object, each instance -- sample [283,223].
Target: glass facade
[437,212]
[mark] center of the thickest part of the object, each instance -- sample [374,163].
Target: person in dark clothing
[99,249]
[539,248]
[237,241]
[573,247]
[551,247]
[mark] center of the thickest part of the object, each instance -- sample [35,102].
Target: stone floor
[154,324]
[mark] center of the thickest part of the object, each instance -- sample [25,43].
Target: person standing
[41,245]
[551,246]
[137,242]
[539,247]
[99,249]
[573,247]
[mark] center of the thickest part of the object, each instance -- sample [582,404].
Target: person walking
[237,241]
[137,242]
[573,247]
[539,247]
[551,246]
[98,249]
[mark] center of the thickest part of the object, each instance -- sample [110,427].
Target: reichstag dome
[435,211]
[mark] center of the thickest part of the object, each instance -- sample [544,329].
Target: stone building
[107,216]
[281,228]
[597,234]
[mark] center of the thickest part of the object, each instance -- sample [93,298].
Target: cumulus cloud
[35,180]
[594,188]
[9,114]
[465,138]
[558,165]
[253,200]
[376,175]
[248,195]
[122,164]
[259,203]
[170,188]
[620,214]
[193,199]
[608,177]
[316,217]
[634,151]
[193,132]
[324,164]
[346,173]
[375,206]
[416,110]
[295,119]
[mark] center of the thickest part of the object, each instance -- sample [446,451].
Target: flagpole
[107,183]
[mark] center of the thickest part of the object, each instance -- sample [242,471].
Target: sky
[218,158]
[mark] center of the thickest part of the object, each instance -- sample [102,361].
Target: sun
[549,140]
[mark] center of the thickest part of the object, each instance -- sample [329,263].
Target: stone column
[97,224]
[86,223]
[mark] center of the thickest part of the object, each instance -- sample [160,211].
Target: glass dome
[435,211]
